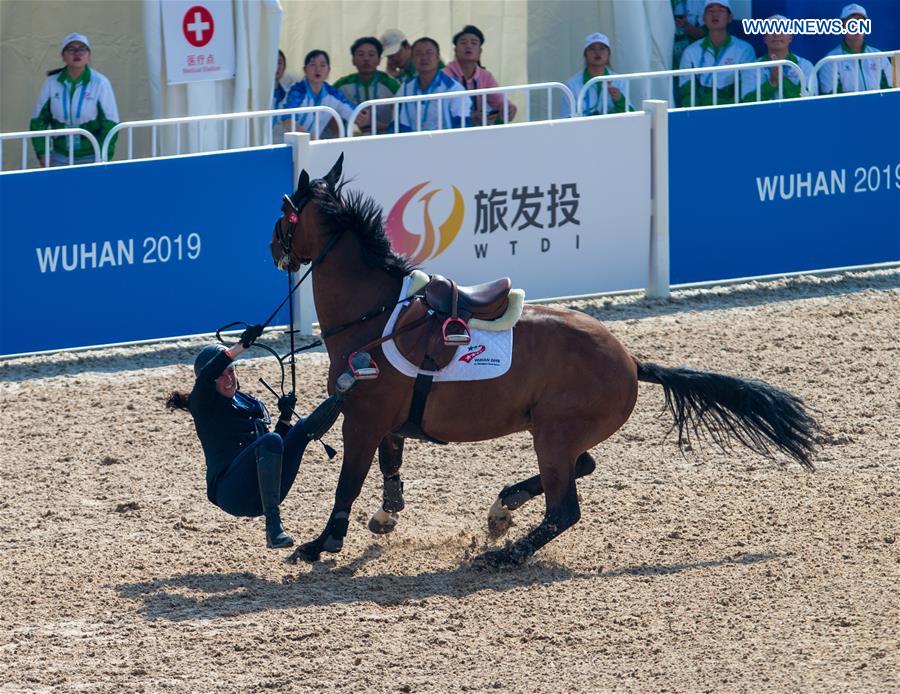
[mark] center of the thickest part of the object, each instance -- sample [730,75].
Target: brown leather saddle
[435,322]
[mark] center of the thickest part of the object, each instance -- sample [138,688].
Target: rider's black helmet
[206,355]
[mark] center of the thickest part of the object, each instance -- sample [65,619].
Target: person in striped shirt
[368,82]
[437,114]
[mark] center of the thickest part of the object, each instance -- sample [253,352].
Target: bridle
[291,216]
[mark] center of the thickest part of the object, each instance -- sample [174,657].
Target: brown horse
[571,383]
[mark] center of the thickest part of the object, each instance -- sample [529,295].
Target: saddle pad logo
[473,352]
[434,239]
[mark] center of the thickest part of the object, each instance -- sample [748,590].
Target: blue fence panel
[139,250]
[784,187]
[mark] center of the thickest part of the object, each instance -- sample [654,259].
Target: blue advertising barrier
[783,187]
[139,250]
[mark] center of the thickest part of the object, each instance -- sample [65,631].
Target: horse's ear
[333,176]
[303,181]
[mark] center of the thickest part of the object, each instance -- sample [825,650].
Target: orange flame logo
[404,242]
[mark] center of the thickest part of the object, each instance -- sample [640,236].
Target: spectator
[426,56]
[855,75]
[468,71]
[718,48]
[368,82]
[74,96]
[283,82]
[689,27]
[314,90]
[596,62]
[778,46]
[399,55]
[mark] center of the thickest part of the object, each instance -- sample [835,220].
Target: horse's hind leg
[390,458]
[557,467]
[515,495]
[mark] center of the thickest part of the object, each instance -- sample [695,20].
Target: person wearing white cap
[74,96]
[718,48]
[398,52]
[779,48]
[688,16]
[596,62]
[855,75]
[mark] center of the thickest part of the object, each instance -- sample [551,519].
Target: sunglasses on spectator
[74,50]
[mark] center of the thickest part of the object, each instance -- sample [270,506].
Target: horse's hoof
[382,522]
[333,545]
[499,519]
[310,552]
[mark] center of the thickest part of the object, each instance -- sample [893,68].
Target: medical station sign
[198,39]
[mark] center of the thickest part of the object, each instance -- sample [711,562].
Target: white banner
[562,208]
[199,40]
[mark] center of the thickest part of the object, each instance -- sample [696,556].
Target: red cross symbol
[198,26]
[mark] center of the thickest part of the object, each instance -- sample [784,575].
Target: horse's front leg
[390,458]
[358,454]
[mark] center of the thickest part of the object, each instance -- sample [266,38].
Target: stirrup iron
[362,366]
[455,339]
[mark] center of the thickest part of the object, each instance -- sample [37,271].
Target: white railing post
[302,299]
[658,271]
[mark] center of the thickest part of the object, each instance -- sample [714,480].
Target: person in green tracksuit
[368,82]
[779,48]
[716,49]
[74,96]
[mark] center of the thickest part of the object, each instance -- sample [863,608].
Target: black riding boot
[268,470]
[322,418]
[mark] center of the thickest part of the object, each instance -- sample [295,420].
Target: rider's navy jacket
[224,425]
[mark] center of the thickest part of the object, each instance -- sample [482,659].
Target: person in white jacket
[596,54]
[74,96]
[778,47]
[855,75]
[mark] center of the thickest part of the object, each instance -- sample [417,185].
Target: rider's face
[227,383]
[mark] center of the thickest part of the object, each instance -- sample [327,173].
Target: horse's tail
[759,416]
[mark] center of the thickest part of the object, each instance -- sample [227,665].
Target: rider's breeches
[237,492]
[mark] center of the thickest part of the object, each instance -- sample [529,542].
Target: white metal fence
[215,128]
[395,102]
[671,75]
[47,136]
[261,128]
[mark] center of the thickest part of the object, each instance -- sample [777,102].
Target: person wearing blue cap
[249,470]
[855,75]
[779,48]
[596,54]
[74,96]
[716,49]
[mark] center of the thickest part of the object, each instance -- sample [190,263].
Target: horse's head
[298,236]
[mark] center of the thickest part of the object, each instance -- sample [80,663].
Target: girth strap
[412,429]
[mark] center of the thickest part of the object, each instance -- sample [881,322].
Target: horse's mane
[361,215]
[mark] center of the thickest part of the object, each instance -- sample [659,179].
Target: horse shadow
[209,596]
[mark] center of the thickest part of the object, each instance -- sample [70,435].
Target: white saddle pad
[488,355]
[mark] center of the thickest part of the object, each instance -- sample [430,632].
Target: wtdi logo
[429,241]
